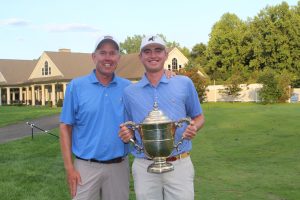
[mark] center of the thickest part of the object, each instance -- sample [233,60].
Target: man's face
[153,57]
[106,58]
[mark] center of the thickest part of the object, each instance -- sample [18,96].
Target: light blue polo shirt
[176,97]
[95,113]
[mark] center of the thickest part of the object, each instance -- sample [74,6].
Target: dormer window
[46,70]
[174,64]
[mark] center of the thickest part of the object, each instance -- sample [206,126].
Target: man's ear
[93,57]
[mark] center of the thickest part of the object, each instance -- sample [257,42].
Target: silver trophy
[157,133]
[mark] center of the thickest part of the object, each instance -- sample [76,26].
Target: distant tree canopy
[270,40]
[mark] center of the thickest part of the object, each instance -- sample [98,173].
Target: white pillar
[32,96]
[43,94]
[53,95]
[8,96]
[64,89]
[27,96]
[21,94]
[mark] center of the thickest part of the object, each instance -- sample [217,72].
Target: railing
[32,125]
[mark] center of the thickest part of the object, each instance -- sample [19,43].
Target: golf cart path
[21,129]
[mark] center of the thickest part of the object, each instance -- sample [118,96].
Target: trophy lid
[156,116]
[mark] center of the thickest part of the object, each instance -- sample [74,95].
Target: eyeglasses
[155,50]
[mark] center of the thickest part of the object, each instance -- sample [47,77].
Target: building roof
[15,71]
[70,64]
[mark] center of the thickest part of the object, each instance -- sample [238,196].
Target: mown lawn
[14,114]
[244,152]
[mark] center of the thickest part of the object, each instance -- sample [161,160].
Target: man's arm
[73,175]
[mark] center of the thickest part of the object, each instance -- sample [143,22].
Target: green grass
[244,152]
[13,114]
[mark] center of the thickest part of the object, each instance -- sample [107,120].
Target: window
[179,66]
[169,67]
[174,64]
[46,68]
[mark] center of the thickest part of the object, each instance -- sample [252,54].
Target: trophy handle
[179,124]
[133,126]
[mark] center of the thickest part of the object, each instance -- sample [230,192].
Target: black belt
[114,160]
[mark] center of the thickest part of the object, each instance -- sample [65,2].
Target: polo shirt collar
[144,81]
[93,78]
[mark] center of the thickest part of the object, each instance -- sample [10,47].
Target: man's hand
[125,133]
[191,131]
[169,74]
[74,179]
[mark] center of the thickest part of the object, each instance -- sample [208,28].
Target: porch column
[53,95]
[32,96]
[64,89]
[21,94]
[27,95]
[8,95]
[43,94]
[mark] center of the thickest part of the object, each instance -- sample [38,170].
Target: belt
[177,157]
[114,160]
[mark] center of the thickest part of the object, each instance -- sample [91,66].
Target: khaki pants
[103,181]
[174,185]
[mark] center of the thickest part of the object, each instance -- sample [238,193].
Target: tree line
[263,49]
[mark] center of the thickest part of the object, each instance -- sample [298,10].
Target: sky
[30,27]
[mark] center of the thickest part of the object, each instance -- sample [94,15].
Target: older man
[92,112]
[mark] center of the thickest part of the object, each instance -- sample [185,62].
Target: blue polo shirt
[176,97]
[95,112]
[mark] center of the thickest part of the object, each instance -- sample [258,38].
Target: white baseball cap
[105,38]
[152,39]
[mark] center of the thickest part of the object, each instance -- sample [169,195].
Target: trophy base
[160,166]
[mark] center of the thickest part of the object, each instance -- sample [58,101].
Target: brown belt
[177,157]
[114,160]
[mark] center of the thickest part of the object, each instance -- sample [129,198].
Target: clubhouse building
[43,81]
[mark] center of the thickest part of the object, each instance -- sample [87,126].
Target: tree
[131,44]
[197,55]
[200,82]
[269,93]
[232,87]
[276,39]
[223,49]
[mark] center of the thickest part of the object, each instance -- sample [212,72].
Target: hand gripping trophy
[157,133]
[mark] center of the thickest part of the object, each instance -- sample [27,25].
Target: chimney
[64,50]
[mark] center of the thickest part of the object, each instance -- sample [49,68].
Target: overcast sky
[29,27]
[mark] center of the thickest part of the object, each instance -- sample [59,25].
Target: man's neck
[104,79]
[154,77]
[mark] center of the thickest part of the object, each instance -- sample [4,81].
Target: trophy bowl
[157,133]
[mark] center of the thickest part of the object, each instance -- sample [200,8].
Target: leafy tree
[224,47]
[269,93]
[232,87]
[276,39]
[131,44]
[200,82]
[197,55]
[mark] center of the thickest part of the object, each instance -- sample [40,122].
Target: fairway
[244,152]
[13,114]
